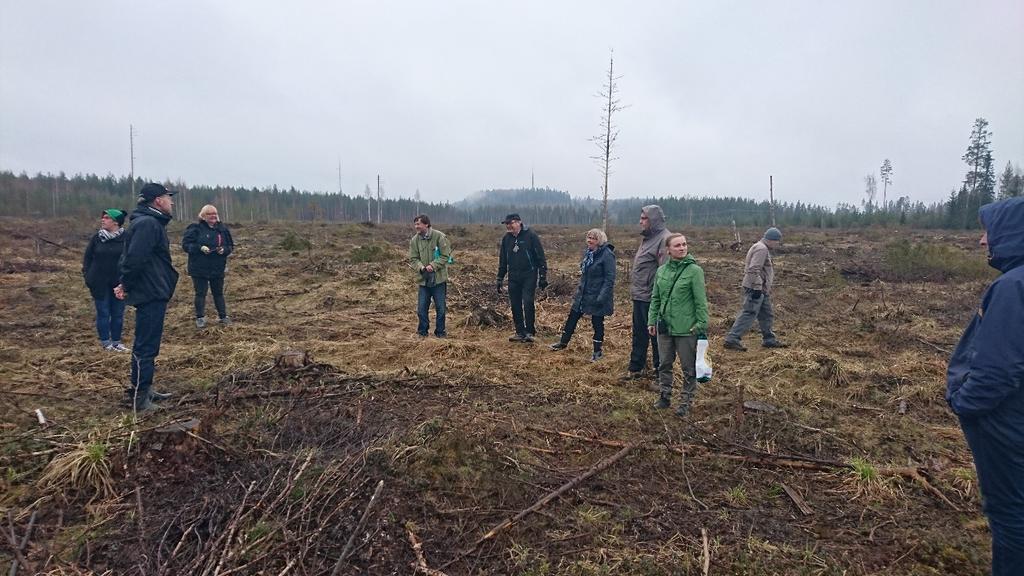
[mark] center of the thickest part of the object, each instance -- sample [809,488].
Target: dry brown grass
[451,425]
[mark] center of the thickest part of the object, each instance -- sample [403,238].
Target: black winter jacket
[99,265]
[595,294]
[521,255]
[146,270]
[200,234]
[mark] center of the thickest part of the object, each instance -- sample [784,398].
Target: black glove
[543,283]
[756,294]
[499,287]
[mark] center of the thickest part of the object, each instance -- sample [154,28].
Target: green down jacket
[686,310]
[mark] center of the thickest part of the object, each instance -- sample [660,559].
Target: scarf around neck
[106,235]
[588,259]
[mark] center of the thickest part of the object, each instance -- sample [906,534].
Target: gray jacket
[651,254]
[758,272]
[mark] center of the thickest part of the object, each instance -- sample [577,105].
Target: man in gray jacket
[651,254]
[759,274]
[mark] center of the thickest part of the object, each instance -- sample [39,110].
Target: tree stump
[486,316]
[292,360]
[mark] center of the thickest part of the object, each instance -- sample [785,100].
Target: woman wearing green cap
[99,268]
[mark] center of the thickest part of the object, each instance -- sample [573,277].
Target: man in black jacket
[522,258]
[147,283]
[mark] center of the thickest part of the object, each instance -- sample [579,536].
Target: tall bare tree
[886,172]
[870,191]
[378,199]
[609,132]
[369,198]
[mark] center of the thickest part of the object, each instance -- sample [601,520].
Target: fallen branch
[21,547]
[766,459]
[12,539]
[55,244]
[359,528]
[274,295]
[707,551]
[420,565]
[940,349]
[798,500]
[595,469]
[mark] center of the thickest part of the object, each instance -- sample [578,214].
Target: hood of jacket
[656,219]
[1004,225]
[674,264]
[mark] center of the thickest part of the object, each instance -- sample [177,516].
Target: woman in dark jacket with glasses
[595,294]
[208,244]
[99,268]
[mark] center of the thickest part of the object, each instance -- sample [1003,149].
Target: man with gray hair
[651,254]
[759,274]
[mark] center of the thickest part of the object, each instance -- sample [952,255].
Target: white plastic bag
[703,362]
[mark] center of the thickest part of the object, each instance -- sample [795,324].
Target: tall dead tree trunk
[609,134]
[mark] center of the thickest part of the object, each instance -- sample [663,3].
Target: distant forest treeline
[47,195]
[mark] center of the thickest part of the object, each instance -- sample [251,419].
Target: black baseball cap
[152,191]
[511,217]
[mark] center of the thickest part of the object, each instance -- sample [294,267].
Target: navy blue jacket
[595,293]
[521,255]
[146,270]
[100,265]
[985,379]
[200,234]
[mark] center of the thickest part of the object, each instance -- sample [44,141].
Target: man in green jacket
[429,253]
[678,316]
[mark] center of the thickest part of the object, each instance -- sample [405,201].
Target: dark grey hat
[773,233]
[152,191]
[511,217]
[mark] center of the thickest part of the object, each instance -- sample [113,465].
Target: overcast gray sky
[451,97]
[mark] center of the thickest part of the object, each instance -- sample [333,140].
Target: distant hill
[517,197]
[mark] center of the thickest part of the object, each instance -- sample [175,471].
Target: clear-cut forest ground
[837,455]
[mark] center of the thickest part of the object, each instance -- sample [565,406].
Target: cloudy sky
[450,97]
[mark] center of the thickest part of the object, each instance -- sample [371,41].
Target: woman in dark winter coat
[208,244]
[99,268]
[595,293]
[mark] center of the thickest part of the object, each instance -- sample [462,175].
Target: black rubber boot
[597,351]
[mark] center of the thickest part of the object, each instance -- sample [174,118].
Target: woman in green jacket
[679,314]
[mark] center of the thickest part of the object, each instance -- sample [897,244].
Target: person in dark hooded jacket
[985,385]
[651,254]
[208,244]
[521,256]
[99,268]
[595,294]
[148,279]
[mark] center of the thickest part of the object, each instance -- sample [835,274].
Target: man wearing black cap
[522,258]
[147,283]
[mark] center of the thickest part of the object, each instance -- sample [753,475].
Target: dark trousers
[217,287]
[149,329]
[521,292]
[1000,469]
[641,338]
[109,318]
[570,326]
[759,309]
[439,294]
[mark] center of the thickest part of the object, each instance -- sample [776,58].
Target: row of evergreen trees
[48,195]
